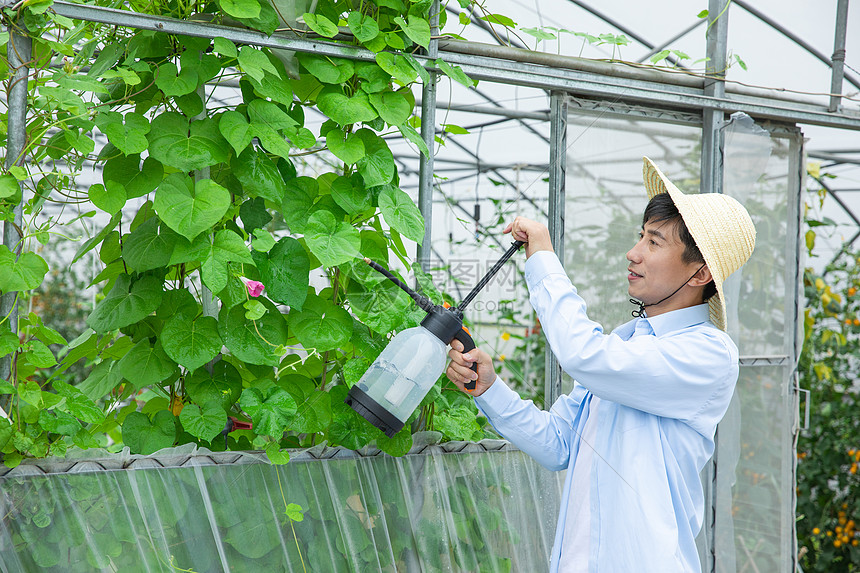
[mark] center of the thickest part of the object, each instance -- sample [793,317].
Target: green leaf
[321,25]
[331,241]
[377,166]
[31,393]
[8,186]
[241,8]
[276,87]
[417,28]
[223,385]
[143,436]
[110,200]
[702,14]
[455,73]
[416,65]
[204,423]
[190,207]
[235,129]
[269,412]
[146,364]
[349,148]
[401,213]
[244,338]
[393,107]
[343,109]
[347,427]
[262,112]
[255,63]
[313,413]
[299,198]
[127,133]
[254,309]
[382,307]
[285,270]
[409,133]
[276,455]
[398,66]
[458,423]
[126,171]
[224,47]
[227,246]
[59,422]
[351,194]
[171,144]
[539,33]
[397,445]
[26,273]
[295,512]
[40,355]
[327,69]
[173,82]
[263,242]
[363,27]
[126,303]
[321,325]
[259,175]
[146,249]
[103,378]
[191,343]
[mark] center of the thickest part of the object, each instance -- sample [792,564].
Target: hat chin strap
[640,312]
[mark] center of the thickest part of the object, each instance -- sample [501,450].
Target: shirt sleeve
[544,435]
[687,375]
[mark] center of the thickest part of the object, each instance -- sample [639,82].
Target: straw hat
[720,225]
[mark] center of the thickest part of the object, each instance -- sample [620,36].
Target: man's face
[656,268]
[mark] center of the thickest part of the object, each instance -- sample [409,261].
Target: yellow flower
[815,531]
[502,357]
[506,336]
[819,284]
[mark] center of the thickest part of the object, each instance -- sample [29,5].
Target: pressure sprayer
[409,366]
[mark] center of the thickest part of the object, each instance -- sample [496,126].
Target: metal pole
[18,53]
[428,134]
[838,59]
[557,175]
[712,182]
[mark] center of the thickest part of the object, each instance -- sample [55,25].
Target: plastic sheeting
[483,507]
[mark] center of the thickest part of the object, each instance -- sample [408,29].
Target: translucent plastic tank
[405,371]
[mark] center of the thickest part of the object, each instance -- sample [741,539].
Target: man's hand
[460,368]
[535,235]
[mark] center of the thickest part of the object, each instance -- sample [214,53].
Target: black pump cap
[445,323]
[370,410]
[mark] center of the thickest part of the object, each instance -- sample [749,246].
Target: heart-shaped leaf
[456,73]
[262,112]
[25,273]
[351,194]
[223,385]
[59,422]
[241,8]
[363,27]
[126,303]
[321,324]
[78,404]
[401,213]
[393,107]
[190,207]
[127,133]
[313,413]
[326,69]
[103,378]
[299,198]
[347,147]
[204,422]
[143,436]
[397,66]
[321,25]
[347,427]
[245,338]
[382,307]
[377,166]
[270,412]
[343,109]
[227,246]
[173,82]
[331,241]
[235,129]
[276,87]
[146,364]
[109,199]
[259,175]
[146,249]
[417,28]
[255,63]
[285,270]
[175,142]
[136,181]
[191,343]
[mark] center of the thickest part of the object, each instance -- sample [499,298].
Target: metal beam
[715,87]
[616,82]
[428,134]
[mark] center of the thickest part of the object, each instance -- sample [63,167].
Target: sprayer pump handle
[468,344]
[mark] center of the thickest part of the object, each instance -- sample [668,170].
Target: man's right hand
[460,368]
[535,235]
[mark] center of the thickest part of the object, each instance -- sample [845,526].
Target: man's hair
[662,208]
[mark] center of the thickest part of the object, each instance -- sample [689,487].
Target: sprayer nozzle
[366,260]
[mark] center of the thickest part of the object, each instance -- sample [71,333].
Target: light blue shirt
[662,392]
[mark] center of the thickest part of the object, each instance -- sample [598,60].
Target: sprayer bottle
[400,377]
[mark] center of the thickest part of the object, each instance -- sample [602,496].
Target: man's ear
[701,278]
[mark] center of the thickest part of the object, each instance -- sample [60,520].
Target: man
[639,425]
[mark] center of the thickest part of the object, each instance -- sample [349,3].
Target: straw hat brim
[720,226]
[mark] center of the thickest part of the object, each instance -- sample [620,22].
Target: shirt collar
[677,319]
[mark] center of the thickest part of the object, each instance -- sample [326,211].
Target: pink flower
[255,288]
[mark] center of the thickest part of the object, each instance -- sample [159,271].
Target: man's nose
[633,254]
